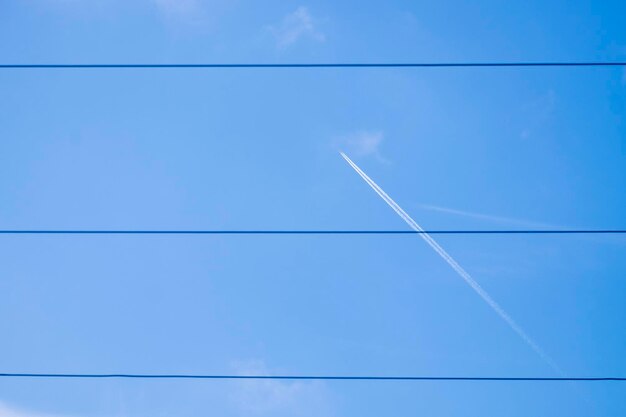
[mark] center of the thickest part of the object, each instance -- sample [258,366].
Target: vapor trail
[459,270]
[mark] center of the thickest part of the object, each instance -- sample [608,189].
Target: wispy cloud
[295,26]
[80,9]
[9,411]
[197,14]
[277,398]
[178,8]
[184,12]
[364,143]
[482,216]
[537,112]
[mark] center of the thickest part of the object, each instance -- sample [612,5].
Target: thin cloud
[538,112]
[178,8]
[191,13]
[364,143]
[186,12]
[278,398]
[297,25]
[183,13]
[9,411]
[482,216]
[79,8]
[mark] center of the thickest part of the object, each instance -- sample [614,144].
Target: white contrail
[481,216]
[459,270]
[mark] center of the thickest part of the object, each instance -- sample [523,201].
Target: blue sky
[258,149]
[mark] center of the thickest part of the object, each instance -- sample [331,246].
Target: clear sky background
[258,149]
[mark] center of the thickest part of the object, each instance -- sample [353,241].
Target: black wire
[307,232]
[328,65]
[317,377]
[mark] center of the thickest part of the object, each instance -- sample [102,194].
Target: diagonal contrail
[459,270]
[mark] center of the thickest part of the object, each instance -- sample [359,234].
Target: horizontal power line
[326,65]
[310,232]
[315,378]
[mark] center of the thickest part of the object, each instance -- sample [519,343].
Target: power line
[325,65]
[310,232]
[316,377]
